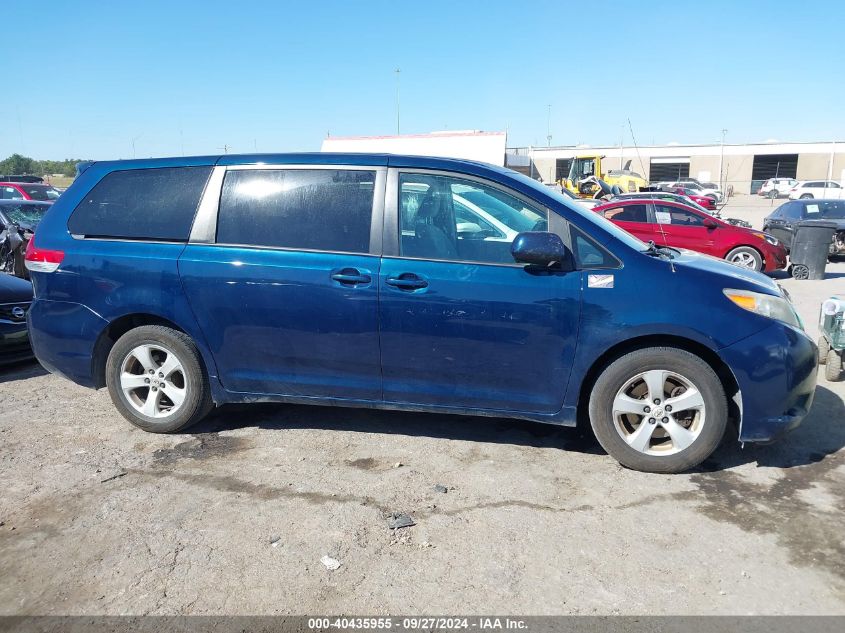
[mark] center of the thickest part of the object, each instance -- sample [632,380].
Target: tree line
[24,165]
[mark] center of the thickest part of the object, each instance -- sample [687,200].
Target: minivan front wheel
[156,380]
[659,409]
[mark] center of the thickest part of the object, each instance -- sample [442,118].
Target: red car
[705,201]
[673,224]
[28,191]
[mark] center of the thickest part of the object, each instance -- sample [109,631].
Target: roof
[308,158]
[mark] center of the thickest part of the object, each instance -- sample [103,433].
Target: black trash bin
[810,248]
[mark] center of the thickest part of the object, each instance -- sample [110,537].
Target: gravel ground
[97,517]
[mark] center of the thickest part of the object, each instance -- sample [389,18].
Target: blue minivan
[411,283]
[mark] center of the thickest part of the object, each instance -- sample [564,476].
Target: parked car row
[677,224]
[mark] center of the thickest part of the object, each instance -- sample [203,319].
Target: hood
[733,276]
[14,289]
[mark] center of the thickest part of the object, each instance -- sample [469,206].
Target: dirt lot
[98,517]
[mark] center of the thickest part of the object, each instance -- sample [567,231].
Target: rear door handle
[406,281]
[351,277]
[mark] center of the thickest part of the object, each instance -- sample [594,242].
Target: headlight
[771,239]
[765,305]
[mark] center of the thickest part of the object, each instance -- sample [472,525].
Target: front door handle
[406,281]
[351,277]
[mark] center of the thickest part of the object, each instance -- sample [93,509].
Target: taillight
[42,260]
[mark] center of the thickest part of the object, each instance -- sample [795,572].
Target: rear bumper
[776,372]
[63,335]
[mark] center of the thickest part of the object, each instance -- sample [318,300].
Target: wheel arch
[723,372]
[117,328]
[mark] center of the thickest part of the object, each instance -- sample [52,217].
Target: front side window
[677,217]
[446,218]
[307,209]
[833,185]
[628,213]
[146,204]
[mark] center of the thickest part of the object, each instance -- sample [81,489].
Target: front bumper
[776,373]
[14,343]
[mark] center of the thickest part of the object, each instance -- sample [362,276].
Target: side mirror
[710,223]
[541,248]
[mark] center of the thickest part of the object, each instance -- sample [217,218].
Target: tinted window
[676,216]
[154,204]
[309,209]
[41,192]
[628,213]
[827,209]
[448,218]
[791,210]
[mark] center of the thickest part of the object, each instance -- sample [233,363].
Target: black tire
[833,366]
[806,196]
[824,349]
[197,401]
[747,250]
[773,194]
[616,375]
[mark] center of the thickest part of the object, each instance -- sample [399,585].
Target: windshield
[40,192]
[25,214]
[828,209]
[595,218]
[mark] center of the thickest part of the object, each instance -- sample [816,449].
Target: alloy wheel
[153,380]
[743,259]
[659,412]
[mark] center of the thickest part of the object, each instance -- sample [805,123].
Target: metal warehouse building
[744,167]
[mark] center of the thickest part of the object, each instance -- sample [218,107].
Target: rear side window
[146,204]
[308,209]
[628,213]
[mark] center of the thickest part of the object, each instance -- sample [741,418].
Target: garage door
[772,166]
[662,169]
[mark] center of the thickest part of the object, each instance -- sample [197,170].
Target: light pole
[549,127]
[721,162]
[133,144]
[398,71]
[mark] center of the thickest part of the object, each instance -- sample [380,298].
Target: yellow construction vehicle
[585,170]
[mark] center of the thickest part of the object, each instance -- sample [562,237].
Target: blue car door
[463,325]
[286,292]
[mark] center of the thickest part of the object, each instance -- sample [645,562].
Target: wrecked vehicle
[345,279]
[15,299]
[783,221]
[18,219]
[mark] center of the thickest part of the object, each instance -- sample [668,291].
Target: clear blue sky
[193,76]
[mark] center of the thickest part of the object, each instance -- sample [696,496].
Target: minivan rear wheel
[156,379]
[659,409]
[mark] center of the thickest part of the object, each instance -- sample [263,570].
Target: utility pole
[398,71]
[549,127]
[721,162]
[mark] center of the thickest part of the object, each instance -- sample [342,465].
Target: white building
[488,147]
